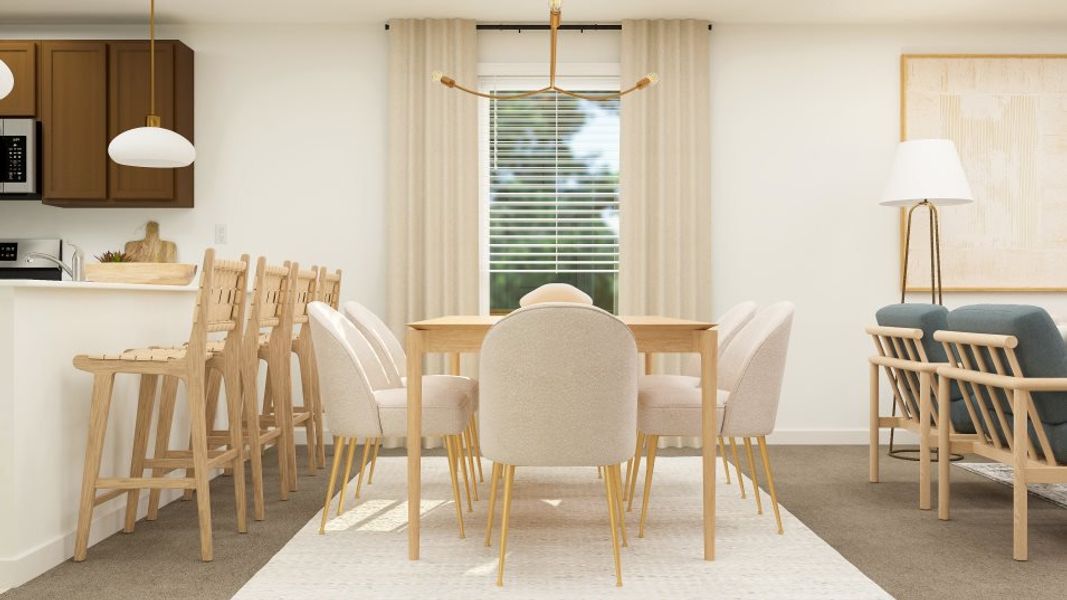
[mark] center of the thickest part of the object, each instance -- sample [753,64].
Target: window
[553,194]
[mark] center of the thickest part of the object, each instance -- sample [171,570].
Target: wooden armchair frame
[900,354]
[988,371]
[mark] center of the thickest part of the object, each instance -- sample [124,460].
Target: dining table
[460,334]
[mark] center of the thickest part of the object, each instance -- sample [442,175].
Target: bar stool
[218,309]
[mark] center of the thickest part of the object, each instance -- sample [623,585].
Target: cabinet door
[128,105]
[21,58]
[74,118]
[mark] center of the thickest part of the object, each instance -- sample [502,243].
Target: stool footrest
[135,483]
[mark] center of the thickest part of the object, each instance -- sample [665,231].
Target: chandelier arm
[595,98]
[502,96]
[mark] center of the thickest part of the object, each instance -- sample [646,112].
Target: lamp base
[936,296]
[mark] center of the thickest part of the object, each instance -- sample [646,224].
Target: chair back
[728,325]
[558,387]
[992,349]
[329,287]
[220,302]
[304,292]
[389,349]
[349,373]
[555,292]
[751,370]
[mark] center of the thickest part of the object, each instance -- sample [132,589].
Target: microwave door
[17,151]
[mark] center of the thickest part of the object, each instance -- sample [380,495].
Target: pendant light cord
[152,57]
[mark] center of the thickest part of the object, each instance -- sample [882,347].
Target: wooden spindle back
[905,347]
[220,302]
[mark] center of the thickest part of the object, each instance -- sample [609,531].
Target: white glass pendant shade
[154,147]
[7,80]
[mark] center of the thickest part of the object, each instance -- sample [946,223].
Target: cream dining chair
[750,383]
[391,354]
[360,401]
[728,325]
[555,292]
[559,387]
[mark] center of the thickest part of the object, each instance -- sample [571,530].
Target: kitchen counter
[44,406]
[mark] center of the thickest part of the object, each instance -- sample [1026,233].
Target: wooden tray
[138,272]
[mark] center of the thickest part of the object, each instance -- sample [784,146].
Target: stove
[16,261]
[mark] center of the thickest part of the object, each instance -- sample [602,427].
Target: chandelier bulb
[652,78]
[437,75]
[554,5]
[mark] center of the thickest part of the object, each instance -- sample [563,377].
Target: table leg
[415,348]
[710,429]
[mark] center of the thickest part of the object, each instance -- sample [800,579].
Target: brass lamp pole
[554,19]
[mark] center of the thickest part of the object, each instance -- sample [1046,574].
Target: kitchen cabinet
[91,91]
[74,120]
[21,58]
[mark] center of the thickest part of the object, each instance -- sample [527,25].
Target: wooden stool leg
[234,413]
[283,410]
[272,403]
[194,383]
[255,442]
[167,398]
[94,449]
[145,403]
[302,360]
[211,399]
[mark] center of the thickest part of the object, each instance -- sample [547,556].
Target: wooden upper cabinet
[74,120]
[21,58]
[90,92]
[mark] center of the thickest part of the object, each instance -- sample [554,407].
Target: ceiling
[941,12]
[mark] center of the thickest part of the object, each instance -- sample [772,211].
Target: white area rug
[558,546]
[1055,493]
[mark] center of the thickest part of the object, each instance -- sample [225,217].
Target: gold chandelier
[553,23]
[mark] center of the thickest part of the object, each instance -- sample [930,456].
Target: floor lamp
[927,174]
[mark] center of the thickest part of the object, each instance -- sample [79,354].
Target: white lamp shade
[927,170]
[7,80]
[154,147]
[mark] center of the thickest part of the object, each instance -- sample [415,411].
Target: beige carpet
[559,546]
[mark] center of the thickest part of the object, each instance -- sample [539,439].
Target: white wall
[290,138]
[805,122]
[291,141]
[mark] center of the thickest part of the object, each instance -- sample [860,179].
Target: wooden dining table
[456,335]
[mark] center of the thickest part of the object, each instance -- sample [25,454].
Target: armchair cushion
[1041,351]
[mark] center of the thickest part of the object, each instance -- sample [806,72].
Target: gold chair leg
[362,464]
[460,457]
[374,459]
[509,479]
[613,517]
[476,443]
[450,444]
[348,473]
[737,466]
[615,471]
[468,438]
[755,475]
[632,483]
[338,446]
[770,480]
[725,463]
[494,477]
[651,443]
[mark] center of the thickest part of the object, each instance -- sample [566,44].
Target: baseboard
[107,520]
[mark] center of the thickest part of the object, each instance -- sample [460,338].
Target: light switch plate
[220,234]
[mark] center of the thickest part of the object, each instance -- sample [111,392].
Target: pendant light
[152,145]
[7,80]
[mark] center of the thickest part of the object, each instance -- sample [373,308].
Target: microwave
[18,156]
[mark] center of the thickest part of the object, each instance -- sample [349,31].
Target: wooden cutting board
[152,249]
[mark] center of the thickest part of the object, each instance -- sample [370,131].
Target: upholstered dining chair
[559,388]
[555,292]
[361,403]
[729,324]
[750,384]
[391,354]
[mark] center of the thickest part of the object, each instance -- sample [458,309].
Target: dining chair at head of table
[750,384]
[555,292]
[559,387]
[360,402]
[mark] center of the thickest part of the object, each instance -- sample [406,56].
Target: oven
[17,259]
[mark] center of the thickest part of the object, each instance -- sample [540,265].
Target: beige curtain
[433,171]
[665,187]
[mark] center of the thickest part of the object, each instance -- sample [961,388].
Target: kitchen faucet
[76,270]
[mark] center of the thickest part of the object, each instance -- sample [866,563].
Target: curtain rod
[543,27]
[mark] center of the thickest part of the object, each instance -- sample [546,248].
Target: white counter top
[93,285]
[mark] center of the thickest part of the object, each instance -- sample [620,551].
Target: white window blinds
[553,185]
